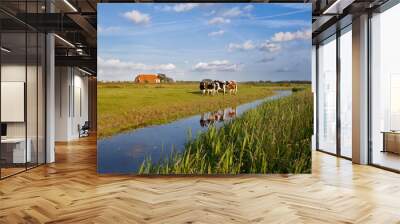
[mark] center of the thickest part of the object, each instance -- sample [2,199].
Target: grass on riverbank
[127,106]
[272,138]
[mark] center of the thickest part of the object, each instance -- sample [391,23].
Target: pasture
[127,106]
[272,138]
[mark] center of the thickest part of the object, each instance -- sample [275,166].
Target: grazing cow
[221,85]
[205,86]
[211,88]
[231,86]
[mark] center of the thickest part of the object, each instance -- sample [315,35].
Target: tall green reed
[275,137]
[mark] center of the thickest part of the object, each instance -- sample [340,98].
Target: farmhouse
[153,78]
[147,78]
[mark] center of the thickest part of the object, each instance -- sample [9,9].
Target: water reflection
[210,118]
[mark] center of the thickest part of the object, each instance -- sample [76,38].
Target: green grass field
[127,106]
[272,138]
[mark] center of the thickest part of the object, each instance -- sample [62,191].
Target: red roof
[147,76]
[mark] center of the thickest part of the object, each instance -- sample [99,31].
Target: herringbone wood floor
[70,191]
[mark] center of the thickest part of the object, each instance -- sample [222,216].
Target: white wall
[33,126]
[62,82]
[16,73]
[11,73]
[70,83]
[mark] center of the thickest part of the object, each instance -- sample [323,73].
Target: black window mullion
[26,86]
[369,89]
[338,76]
[37,91]
[45,94]
[317,97]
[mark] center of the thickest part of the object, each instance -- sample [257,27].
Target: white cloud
[215,66]
[115,69]
[216,33]
[181,7]
[218,20]
[248,45]
[137,17]
[237,11]
[272,45]
[116,63]
[269,46]
[233,12]
[296,5]
[280,23]
[289,36]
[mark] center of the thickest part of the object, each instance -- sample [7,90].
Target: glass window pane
[13,86]
[327,96]
[23,90]
[41,98]
[385,92]
[31,98]
[346,93]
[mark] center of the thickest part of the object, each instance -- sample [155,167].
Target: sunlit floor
[71,191]
[386,159]
[5,172]
[8,171]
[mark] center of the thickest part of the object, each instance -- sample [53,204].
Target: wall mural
[204,88]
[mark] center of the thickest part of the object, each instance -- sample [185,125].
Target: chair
[84,130]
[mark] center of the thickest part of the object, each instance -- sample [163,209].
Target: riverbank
[127,106]
[272,138]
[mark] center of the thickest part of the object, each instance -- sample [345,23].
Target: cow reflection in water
[211,118]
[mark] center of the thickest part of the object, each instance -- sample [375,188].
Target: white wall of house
[71,102]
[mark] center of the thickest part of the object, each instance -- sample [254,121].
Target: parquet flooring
[70,191]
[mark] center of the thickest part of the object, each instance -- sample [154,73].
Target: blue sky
[189,41]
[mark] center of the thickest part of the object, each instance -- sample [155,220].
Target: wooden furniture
[391,141]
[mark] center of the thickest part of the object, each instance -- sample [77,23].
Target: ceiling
[331,15]
[75,22]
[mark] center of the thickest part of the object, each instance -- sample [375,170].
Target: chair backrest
[86,125]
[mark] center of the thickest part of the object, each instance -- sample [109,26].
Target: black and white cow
[220,85]
[208,86]
[212,88]
[203,87]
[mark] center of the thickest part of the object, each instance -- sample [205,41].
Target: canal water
[124,153]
